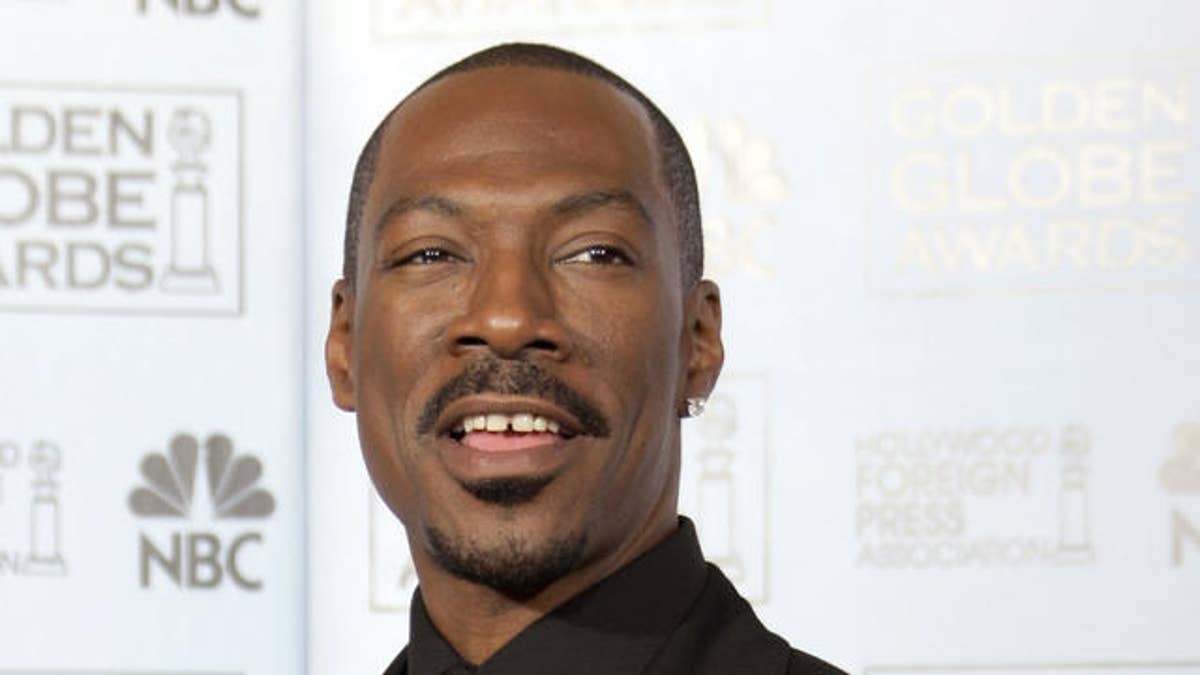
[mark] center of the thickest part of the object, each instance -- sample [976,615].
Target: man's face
[517,343]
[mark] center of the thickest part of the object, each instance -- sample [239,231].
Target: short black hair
[675,163]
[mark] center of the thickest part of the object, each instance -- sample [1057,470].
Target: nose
[510,311]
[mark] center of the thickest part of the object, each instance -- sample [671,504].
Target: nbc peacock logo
[199,559]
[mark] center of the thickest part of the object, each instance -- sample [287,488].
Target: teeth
[475,423]
[520,423]
[497,422]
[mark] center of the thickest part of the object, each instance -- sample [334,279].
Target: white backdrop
[959,249]
[151,286]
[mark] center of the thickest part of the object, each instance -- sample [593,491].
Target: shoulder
[748,643]
[400,665]
[761,640]
[723,635]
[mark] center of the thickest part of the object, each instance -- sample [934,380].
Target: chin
[515,554]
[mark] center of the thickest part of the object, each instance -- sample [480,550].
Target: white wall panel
[151,291]
[959,252]
[957,244]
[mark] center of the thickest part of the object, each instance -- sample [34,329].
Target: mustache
[491,375]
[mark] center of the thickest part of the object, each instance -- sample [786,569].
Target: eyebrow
[570,206]
[436,204]
[583,202]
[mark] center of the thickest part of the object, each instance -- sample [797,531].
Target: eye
[426,256]
[599,254]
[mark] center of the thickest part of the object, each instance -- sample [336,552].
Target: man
[520,327]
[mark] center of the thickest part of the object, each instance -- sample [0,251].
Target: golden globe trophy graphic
[1074,528]
[1180,474]
[45,544]
[715,518]
[190,270]
[1180,477]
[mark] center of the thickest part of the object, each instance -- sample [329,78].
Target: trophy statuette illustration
[190,270]
[45,541]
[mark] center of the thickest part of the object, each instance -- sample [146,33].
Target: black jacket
[668,612]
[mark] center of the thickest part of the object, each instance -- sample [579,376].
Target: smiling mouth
[501,432]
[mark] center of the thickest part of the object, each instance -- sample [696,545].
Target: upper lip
[485,404]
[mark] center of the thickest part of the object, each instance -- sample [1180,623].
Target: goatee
[515,567]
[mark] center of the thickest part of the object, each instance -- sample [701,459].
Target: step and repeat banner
[151,288]
[958,243]
[959,252]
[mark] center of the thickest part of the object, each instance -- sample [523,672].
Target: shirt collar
[616,625]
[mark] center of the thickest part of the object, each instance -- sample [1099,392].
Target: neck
[477,620]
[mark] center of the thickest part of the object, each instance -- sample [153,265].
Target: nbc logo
[200,8]
[197,558]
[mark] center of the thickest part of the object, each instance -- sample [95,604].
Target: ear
[339,347]
[706,353]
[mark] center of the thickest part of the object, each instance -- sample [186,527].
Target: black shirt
[666,612]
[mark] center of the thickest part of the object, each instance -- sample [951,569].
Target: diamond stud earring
[695,405]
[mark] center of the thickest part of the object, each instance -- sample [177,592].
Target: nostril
[470,341]
[545,345]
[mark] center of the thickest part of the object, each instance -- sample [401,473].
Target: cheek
[630,343]
[397,334]
[635,362]
[649,338]
[396,345]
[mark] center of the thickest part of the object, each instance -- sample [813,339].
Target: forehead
[513,124]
